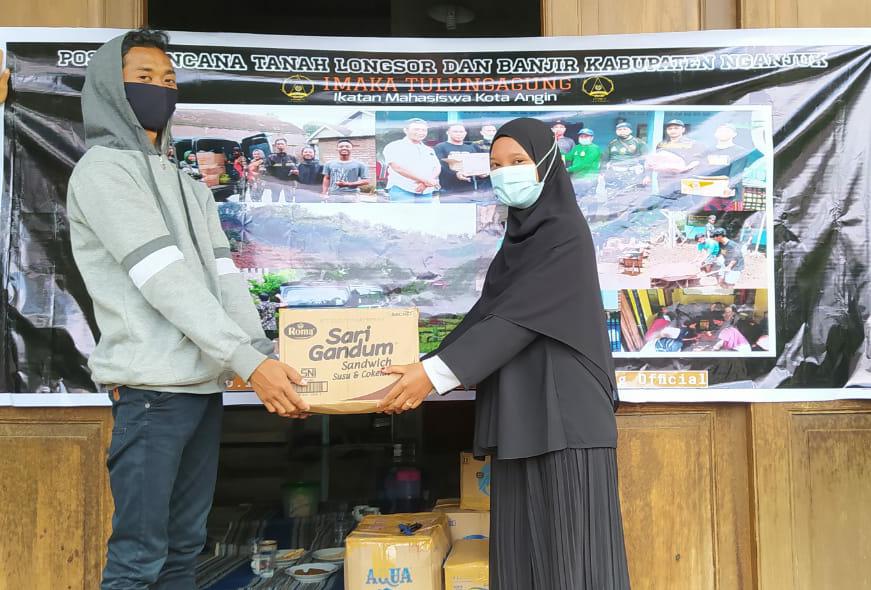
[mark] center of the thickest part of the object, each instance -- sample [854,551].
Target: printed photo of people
[436,156]
[723,250]
[621,160]
[275,154]
[679,321]
[668,194]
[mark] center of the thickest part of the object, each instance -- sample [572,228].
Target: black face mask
[153,105]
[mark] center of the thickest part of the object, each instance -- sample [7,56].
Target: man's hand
[409,392]
[272,381]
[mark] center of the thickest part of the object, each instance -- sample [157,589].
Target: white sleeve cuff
[442,378]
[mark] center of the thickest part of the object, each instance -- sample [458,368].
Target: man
[488,132]
[624,160]
[709,250]
[174,314]
[711,226]
[412,166]
[564,143]
[583,164]
[344,177]
[281,168]
[310,174]
[727,158]
[676,158]
[730,260]
[452,179]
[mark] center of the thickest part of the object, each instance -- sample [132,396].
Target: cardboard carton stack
[380,552]
[468,566]
[211,166]
[474,483]
[463,524]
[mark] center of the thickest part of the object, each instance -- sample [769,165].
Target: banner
[724,177]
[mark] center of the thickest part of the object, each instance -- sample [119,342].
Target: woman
[730,338]
[239,165]
[537,347]
[189,165]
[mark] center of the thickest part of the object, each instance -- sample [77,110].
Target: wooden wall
[73,13]
[604,17]
[55,504]
[716,496]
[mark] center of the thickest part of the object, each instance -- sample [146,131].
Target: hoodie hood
[109,119]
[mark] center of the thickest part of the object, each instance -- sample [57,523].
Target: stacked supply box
[463,524]
[211,166]
[474,483]
[399,552]
[468,566]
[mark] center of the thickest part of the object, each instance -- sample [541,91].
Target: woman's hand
[409,392]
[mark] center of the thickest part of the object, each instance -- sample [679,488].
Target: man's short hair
[341,141]
[719,233]
[144,38]
[416,121]
[279,139]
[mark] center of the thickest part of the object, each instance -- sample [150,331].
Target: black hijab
[545,276]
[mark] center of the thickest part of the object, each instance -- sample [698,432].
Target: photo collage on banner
[338,206]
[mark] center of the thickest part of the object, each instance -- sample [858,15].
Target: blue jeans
[400,195]
[163,462]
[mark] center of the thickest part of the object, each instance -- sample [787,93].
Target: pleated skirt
[556,523]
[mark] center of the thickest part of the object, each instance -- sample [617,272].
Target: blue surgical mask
[516,186]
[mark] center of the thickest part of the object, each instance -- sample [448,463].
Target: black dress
[536,346]
[549,425]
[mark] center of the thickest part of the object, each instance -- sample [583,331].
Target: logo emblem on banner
[598,87]
[297,87]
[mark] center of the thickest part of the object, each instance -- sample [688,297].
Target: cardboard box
[705,186]
[448,503]
[465,523]
[341,352]
[212,170]
[378,555]
[212,179]
[211,159]
[474,483]
[468,566]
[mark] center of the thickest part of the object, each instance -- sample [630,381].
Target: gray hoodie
[173,311]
